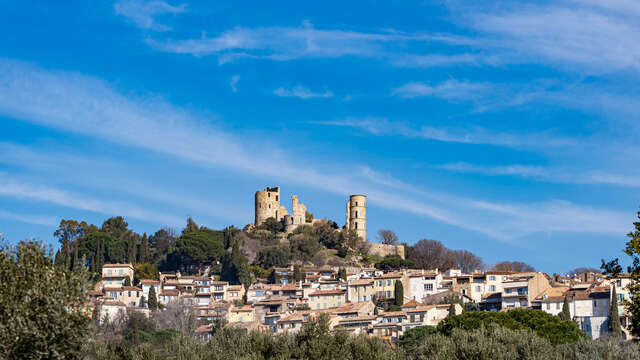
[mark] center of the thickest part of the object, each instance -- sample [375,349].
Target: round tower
[357,215]
[267,203]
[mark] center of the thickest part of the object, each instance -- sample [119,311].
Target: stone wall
[383,250]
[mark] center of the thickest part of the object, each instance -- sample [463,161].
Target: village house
[361,290]
[519,290]
[114,275]
[326,299]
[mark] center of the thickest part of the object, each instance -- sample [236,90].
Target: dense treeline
[237,256]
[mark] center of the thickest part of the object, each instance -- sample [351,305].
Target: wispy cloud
[301,92]
[234,83]
[14,188]
[28,219]
[448,90]
[577,35]
[143,13]
[85,105]
[290,43]
[547,174]
[470,135]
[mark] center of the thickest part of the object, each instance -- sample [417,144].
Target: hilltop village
[361,291]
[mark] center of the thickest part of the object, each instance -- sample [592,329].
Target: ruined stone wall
[383,250]
[297,216]
[267,203]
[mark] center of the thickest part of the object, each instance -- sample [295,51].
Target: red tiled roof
[328,292]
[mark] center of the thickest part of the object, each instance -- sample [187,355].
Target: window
[388,294]
[129,293]
[492,278]
[388,282]
[428,287]
[379,282]
[595,303]
[356,214]
[548,306]
[478,288]
[356,225]
[492,288]
[356,203]
[276,197]
[557,306]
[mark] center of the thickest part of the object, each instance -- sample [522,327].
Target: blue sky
[504,128]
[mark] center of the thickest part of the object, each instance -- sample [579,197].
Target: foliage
[234,267]
[303,248]
[41,312]
[274,278]
[566,313]
[394,262]
[467,261]
[127,281]
[195,250]
[614,317]
[116,227]
[432,254]
[613,268]
[308,217]
[399,293]
[271,256]
[146,271]
[298,274]
[152,302]
[516,266]
[258,272]
[544,325]
[342,274]
[272,225]
[413,337]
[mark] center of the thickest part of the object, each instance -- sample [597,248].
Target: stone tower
[357,215]
[267,204]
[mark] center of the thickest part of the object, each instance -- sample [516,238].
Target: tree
[116,227]
[614,317]
[196,250]
[41,314]
[272,225]
[566,313]
[298,274]
[452,310]
[143,254]
[271,256]
[431,254]
[613,269]
[67,233]
[273,278]
[192,226]
[153,300]
[342,274]
[467,261]
[387,237]
[146,271]
[308,217]
[131,248]
[515,266]
[399,292]
[394,262]
[127,281]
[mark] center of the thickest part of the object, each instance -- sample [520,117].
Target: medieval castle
[267,205]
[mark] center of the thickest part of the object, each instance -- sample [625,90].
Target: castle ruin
[267,205]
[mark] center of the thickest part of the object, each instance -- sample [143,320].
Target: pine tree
[399,292]
[565,314]
[614,317]
[153,301]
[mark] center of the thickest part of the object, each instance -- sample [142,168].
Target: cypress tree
[127,281]
[153,301]
[565,314]
[399,292]
[452,310]
[76,262]
[143,256]
[614,317]
[131,250]
[273,278]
